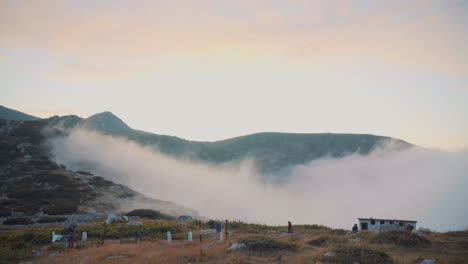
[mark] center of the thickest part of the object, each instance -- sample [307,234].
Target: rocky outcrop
[34,186]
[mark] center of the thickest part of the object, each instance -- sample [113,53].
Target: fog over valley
[420,184]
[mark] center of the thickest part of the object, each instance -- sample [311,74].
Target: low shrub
[360,254]
[319,241]
[62,207]
[325,240]
[310,227]
[100,182]
[5,212]
[148,213]
[9,254]
[339,232]
[401,238]
[29,235]
[57,246]
[80,246]
[52,219]
[18,221]
[260,243]
[293,239]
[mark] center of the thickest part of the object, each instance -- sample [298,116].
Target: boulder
[134,223]
[356,239]
[186,217]
[330,254]
[36,253]
[111,218]
[236,246]
[422,229]
[428,261]
[53,255]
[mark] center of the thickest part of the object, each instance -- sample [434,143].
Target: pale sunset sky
[215,69]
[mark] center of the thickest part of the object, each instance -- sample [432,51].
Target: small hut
[382,225]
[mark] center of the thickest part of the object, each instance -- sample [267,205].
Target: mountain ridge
[11,114]
[272,151]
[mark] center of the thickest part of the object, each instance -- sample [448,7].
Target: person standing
[138,236]
[71,239]
[290,229]
[355,228]
[84,237]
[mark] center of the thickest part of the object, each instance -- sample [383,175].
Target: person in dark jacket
[355,228]
[290,229]
[138,236]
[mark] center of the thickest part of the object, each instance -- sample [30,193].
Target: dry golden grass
[446,248]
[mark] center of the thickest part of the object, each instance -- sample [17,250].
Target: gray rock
[111,218]
[330,254]
[428,261]
[54,254]
[236,246]
[356,239]
[125,218]
[182,223]
[115,256]
[134,217]
[134,223]
[36,253]
[186,217]
[422,229]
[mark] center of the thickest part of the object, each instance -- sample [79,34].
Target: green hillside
[271,151]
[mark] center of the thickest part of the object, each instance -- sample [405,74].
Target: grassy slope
[445,247]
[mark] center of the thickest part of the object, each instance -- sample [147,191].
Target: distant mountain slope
[32,183]
[272,152]
[10,114]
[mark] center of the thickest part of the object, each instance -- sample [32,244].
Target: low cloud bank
[416,184]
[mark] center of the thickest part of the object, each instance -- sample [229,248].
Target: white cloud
[420,184]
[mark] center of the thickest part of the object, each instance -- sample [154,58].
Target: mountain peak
[107,122]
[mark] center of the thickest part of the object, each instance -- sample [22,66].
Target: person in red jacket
[71,239]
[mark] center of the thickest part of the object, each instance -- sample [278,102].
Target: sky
[210,70]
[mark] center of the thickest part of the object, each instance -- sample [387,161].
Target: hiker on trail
[84,237]
[71,240]
[355,228]
[138,236]
[290,229]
